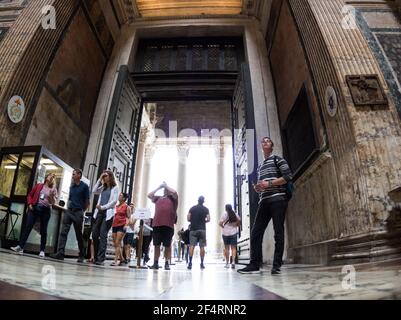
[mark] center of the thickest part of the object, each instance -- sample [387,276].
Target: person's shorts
[129,239]
[118,229]
[162,235]
[230,240]
[197,236]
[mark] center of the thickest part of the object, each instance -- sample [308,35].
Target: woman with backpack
[230,221]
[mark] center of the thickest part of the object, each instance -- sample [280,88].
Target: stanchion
[179,251]
[139,250]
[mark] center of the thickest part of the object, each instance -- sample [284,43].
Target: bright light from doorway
[201,175]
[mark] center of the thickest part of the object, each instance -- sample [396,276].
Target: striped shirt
[269,171]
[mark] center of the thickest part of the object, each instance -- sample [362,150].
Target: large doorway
[203,75]
[189,146]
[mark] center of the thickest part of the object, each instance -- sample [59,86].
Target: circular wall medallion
[16,109]
[331,101]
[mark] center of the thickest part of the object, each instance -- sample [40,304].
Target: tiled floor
[69,280]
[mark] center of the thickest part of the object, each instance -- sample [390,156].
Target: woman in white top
[230,221]
[104,213]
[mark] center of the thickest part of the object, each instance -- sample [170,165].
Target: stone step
[368,245]
[373,246]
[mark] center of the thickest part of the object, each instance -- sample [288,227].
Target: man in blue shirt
[78,203]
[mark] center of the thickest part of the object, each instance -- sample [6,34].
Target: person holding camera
[163,222]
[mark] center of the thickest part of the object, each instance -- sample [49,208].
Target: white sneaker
[227,266]
[18,249]
[42,254]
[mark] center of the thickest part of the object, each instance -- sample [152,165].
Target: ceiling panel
[165,8]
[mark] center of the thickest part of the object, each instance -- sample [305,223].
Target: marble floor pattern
[70,280]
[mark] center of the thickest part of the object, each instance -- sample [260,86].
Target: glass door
[16,178]
[8,168]
[47,165]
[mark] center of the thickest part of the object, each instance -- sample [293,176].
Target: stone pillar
[149,153]
[219,149]
[121,56]
[183,152]
[138,190]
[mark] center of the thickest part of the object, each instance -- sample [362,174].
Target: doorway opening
[188,144]
[186,113]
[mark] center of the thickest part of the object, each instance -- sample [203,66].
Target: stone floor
[28,277]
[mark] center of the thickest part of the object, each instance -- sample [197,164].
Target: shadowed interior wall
[66,104]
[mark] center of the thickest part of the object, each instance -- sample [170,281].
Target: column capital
[183,150]
[219,150]
[143,134]
[149,152]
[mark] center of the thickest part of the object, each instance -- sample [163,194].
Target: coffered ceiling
[163,8]
[131,10]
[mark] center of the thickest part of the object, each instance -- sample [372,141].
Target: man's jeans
[76,218]
[266,212]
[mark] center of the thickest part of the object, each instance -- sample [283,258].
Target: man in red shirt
[163,222]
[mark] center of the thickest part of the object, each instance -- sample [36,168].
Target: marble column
[183,152]
[149,153]
[219,149]
[138,190]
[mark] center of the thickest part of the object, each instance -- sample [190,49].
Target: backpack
[289,186]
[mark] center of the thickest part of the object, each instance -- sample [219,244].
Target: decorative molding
[384,51]
[143,135]
[317,164]
[183,150]
[149,152]
[366,90]
[331,101]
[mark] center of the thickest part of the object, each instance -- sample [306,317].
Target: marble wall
[381,28]
[60,92]
[344,192]
[66,105]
